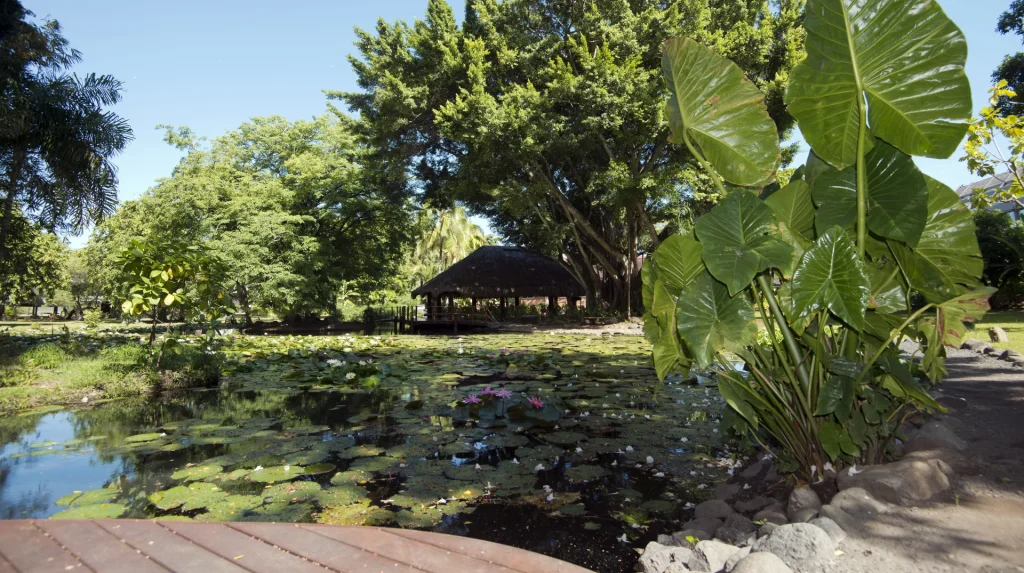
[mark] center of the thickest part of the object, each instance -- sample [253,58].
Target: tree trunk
[17,165]
[243,297]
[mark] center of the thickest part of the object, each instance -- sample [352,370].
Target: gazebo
[496,272]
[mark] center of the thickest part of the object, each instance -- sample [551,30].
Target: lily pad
[90,497]
[195,473]
[95,511]
[275,474]
[193,496]
[138,438]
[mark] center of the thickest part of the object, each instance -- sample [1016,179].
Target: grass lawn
[1010,321]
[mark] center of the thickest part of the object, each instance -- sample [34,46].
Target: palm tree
[56,140]
[447,237]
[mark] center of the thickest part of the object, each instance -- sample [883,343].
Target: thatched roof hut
[495,272]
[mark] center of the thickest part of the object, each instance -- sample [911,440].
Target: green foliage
[984,155]
[35,263]
[546,118]
[46,356]
[830,261]
[1002,252]
[92,319]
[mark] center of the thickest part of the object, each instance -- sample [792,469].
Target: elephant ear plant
[857,253]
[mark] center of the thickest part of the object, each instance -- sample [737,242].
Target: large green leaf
[897,196]
[715,107]
[677,262]
[793,206]
[669,355]
[904,56]
[740,239]
[735,394]
[951,315]
[949,243]
[832,276]
[710,320]
[835,440]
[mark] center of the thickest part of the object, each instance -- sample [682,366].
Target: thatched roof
[491,272]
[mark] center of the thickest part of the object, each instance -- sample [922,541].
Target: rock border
[981,347]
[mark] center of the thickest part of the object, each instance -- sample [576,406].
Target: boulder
[798,544]
[935,435]
[656,557]
[988,349]
[845,521]
[771,515]
[713,509]
[711,556]
[802,503]
[735,529]
[955,460]
[669,541]
[678,568]
[762,563]
[830,527]
[857,501]
[708,525]
[971,344]
[726,491]
[767,529]
[1009,355]
[731,562]
[758,503]
[754,470]
[699,534]
[904,482]
[996,334]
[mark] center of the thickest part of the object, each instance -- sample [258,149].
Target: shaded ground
[980,526]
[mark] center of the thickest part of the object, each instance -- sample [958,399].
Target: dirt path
[979,527]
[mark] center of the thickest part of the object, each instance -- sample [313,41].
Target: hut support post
[552,305]
[430,307]
[572,301]
[503,303]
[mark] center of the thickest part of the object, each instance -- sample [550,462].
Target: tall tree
[446,237]
[1011,70]
[56,139]
[548,116]
[287,206]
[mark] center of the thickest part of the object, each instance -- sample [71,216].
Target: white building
[991,185]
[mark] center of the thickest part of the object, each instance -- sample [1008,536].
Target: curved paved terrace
[139,546]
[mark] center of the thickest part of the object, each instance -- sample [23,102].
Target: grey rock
[758,503]
[996,334]
[846,521]
[735,529]
[731,562]
[699,534]
[971,344]
[1007,355]
[708,525]
[711,556]
[989,350]
[669,541]
[801,500]
[678,568]
[767,529]
[771,515]
[804,515]
[762,563]
[904,482]
[935,435]
[755,469]
[657,557]
[830,527]
[858,502]
[726,491]
[955,460]
[798,544]
[714,509]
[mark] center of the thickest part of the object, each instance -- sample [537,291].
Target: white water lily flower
[827,467]
[659,475]
[684,440]
[650,459]
[287,468]
[746,486]
[350,375]
[579,450]
[648,416]
[258,468]
[615,463]
[702,486]
[442,501]
[854,471]
[693,473]
[623,538]
[539,468]
[478,468]
[629,448]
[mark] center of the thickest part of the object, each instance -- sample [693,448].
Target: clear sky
[213,64]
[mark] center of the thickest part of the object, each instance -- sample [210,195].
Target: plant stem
[787,334]
[862,177]
[885,346]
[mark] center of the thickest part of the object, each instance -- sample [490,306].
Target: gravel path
[979,527]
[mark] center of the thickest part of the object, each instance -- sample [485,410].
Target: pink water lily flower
[535,402]
[487,391]
[471,399]
[503,394]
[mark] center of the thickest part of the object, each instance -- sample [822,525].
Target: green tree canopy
[286,206]
[548,117]
[56,140]
[1011,70]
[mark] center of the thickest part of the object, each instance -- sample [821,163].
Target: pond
[565,445]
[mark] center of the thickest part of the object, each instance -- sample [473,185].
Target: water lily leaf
[713,106]
[582,473]
[143,437]
[189,497]
[275,474]
[658,506]
[710,320]
[832,276]
[573,509]
[91,497]
[195,473]
[95,511]
[291,492]
[739,240]
[906,57]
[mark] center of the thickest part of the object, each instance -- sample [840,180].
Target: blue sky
[211,65]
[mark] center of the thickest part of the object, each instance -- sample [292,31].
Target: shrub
[47,356]
[92,319]
[833,259]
